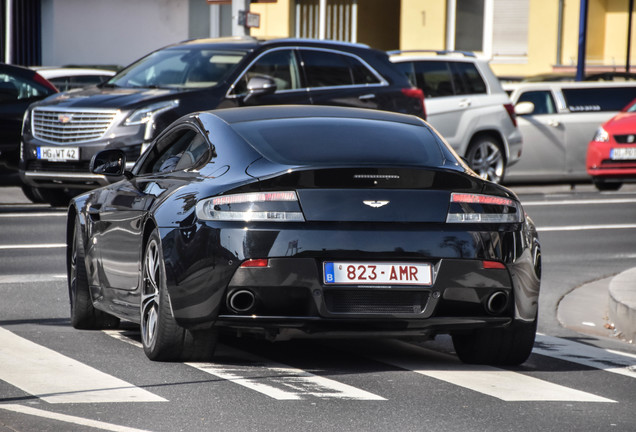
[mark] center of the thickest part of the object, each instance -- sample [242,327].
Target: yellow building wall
[616,22]
[543,29]
[277,19]
[423,24]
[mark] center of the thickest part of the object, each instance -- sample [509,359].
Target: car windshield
[329,141]
[183,67]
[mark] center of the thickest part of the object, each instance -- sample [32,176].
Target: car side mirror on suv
[260,85]
[524,108]
[111,162]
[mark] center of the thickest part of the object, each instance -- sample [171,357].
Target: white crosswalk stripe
[56,378]
[499,383]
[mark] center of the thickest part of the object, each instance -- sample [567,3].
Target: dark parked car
[62,134]
[19,87]
[287,221]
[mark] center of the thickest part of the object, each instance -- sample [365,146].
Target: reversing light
[476,208]
[255,206]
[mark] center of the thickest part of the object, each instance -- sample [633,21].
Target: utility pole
[580,64]
[8,38]
[240,7]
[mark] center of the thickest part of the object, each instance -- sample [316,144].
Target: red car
[611,155]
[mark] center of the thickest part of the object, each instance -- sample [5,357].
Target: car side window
[599,98]
[467,79]
[434,78]
[542,100]
[177,150]
[329,69]
[280,65]
[14,88]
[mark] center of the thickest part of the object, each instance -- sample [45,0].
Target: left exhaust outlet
[241,301]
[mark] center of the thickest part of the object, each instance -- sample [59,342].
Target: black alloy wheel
[83,313]
[162,337]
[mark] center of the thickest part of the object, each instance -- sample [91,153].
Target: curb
[622,303]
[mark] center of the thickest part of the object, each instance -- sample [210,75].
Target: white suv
[466,104]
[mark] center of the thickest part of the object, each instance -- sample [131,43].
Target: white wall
[109,31]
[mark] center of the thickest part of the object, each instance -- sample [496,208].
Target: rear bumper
[290,296]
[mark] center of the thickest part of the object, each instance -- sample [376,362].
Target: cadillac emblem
[64,118]
[375,204]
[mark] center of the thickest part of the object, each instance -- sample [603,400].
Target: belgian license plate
[626,153]
[377,273]
[58,154]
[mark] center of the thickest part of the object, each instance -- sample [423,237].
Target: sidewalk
[614,296]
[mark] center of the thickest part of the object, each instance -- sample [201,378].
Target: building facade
[521,37]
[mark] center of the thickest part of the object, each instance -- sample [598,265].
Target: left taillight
[476,208]
[252,207]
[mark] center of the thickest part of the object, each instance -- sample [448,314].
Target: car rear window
[329,141]
[598,98]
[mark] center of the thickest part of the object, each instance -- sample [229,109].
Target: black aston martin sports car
[298,221]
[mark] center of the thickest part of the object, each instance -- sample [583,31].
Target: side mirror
[524,108]
[109,163]
[260,85]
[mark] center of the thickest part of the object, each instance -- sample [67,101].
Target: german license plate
[625,153]
[58,154]
[377,273]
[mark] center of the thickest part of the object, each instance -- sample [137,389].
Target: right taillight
[511,112]
[477,208]
[418,94]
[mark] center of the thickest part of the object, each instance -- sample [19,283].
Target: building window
[327,19]
[469,25]
[496,28]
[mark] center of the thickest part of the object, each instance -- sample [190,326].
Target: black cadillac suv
[61,134]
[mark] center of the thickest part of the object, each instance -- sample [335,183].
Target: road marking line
[13,279]
[283,382]
[586,355]
[276,380]
[579,202]
[26,215]
[55,378]
[586,227]
[33,246]
[21,409]
[499,383]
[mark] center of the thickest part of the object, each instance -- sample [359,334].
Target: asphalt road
[53,377]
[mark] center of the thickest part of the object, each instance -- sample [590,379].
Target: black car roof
[247,114]
[250,43]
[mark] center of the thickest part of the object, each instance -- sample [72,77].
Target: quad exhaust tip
[242,301]
[497,302]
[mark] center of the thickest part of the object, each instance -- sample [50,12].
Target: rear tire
[485,156]
[162,337]
[607,186]
[83,313]
[54,197]
[510,345]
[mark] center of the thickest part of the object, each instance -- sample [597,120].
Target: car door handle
[554,123]
[367,96]
[464,103]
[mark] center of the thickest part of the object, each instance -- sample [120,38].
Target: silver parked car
[467,105]
[557,121]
